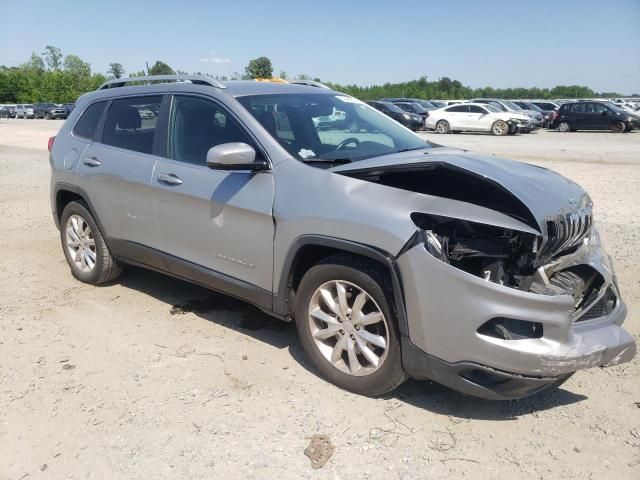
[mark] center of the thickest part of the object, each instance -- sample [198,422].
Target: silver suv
[394,257]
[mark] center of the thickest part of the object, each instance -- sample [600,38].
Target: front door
[214,220]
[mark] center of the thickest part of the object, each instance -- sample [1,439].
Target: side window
[476,109]
[196,125]
[131,123]
[88,123]
[599,108]
[458,109]
[578,108]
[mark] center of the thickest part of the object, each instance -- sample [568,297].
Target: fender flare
[281,304]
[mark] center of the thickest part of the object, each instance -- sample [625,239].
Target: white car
[476,117]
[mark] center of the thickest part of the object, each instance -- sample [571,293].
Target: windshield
[531,106]
[418,108]
[511,105]
[310,128]
[392,107]
[491,108]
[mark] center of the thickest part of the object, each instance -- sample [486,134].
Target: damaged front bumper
[446,307]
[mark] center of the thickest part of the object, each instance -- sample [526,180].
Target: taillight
[50,144]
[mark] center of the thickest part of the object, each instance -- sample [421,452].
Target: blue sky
[481,43]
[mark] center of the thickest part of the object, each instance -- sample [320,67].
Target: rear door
[116,170]
[216,219]
[457,116]
[578,116]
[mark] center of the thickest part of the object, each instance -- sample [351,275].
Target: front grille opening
[602,307]
[511,329]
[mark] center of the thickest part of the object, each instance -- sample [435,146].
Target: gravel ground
[119,382]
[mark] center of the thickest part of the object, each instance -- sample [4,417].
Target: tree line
[55,77]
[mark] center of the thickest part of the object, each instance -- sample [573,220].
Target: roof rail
[195,79]
[310,83]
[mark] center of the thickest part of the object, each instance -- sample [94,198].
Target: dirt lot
[119,382]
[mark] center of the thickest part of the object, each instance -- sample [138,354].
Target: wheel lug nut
[341,332]
[339,320]
[357,327]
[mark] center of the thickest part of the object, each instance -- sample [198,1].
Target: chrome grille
[565,232]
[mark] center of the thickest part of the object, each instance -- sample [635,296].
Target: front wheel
[442,126]
[346,325]
[500,128]
[84,247]
[618,127]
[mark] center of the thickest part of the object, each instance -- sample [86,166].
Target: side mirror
[234,156]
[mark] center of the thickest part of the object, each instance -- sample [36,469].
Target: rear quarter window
[87,125]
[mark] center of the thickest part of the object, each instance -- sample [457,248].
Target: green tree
[116,70]
[76,67]
[161,68]
[259,68]
[53,56]
[35,63]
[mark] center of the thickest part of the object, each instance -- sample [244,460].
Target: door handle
[92,162]
[169,179]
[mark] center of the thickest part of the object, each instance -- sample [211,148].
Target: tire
[47,116]
[442,126]
[105,268]
[618,127]
[564,127]
[344,335]
[500,128]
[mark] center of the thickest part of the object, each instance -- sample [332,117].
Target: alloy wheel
[80,243]
[564,127]
[348,328]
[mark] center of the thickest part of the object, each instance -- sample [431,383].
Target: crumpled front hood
[544,192]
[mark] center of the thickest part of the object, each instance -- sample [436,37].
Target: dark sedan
[409,120]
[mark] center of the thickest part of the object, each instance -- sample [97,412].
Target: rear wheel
[346,325]
[500,127]
[618,127]
[564,127]
[84,247]
[442,126]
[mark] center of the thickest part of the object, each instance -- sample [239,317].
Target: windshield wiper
[339,161]
[411,149]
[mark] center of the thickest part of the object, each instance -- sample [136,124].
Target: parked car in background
[409,120]
[593,116]
[416,108]
[426,104]
[548,116]
[25,110]
[438,103]
[336,120]
[546,105]
[68,107]
[8,111]
[536,119]
[40,109]
[476,117]
[50,111]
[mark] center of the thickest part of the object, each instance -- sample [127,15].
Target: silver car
[393,256]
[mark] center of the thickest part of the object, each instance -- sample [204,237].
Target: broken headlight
[496,254]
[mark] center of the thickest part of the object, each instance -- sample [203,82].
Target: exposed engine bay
[504,256]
